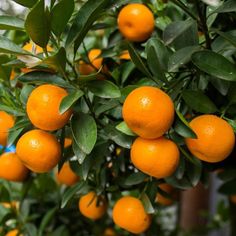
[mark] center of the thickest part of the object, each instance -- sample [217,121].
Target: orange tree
[113,104]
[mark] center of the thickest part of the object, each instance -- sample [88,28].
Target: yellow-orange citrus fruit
[38,150]
[136,22]
[168,189]
[129,214]
[6,122]
[156,157]
[215,138]
[148,112]
[109,232]
[125,55]
[34,49]
[94,59]
[11,167]
[13,204]
[68,142]
[92,206]
[43,107]
[66,175]
[14,232]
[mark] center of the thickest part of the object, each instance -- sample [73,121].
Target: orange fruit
[67,142]
[168,189]
[129,214]
[215,138]
[95,60]
[233,198]
[12,75]
[92,206]
[13,204]
[11,167]
[43,107]
[148,112]
[157,157]
[6,122]
[34,49]
[66,175]
[38,150]
[125,55]
[14,232]
[109,232]
[136,22]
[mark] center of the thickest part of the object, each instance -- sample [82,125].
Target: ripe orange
[68,142]
[136,22]
[125,55]
[6,122]
[43,107]
[129,214]
[14,232]
[215,138]
[11,168]
[34,49]
[109,232]
[157,157]
[66,175]
[38,150]
[148,112]
[92,206]
[168,189]
[95,60]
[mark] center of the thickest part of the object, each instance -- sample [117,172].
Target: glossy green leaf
[215,65]
[40,77]
[84,20]
[227,6]
[122,127]
[182,127]
[84,130]
[194,172]
[147,204]
[25,92]
[37,24]
[135,178]
[228,187]
[198,101]
[229,36]
[60,15]
[104,89]
[7,46]
[138,61]
[26,3]
[78,152]
[181,57]
[157,57]
[175,29]
[57,61]
[68,101]
[11,23]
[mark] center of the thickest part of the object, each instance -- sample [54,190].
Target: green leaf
[227,6]
[135,178]
[70,192]
[60,15]
[46,220]
[215,65]
[26,3]
[25,92]
[181,57]
[227,174]
[57,61]
[182,127]
[69,100]
[84,20]
[228,187]
[175,29]
[229,36]
[194,172]
[147,204]
[11,23]
[37,24]
[78,152]
[198,101]
[84,130]
[138,61]
[40,77]
[103,89]
[7,46]
[122,127]
[157,57]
